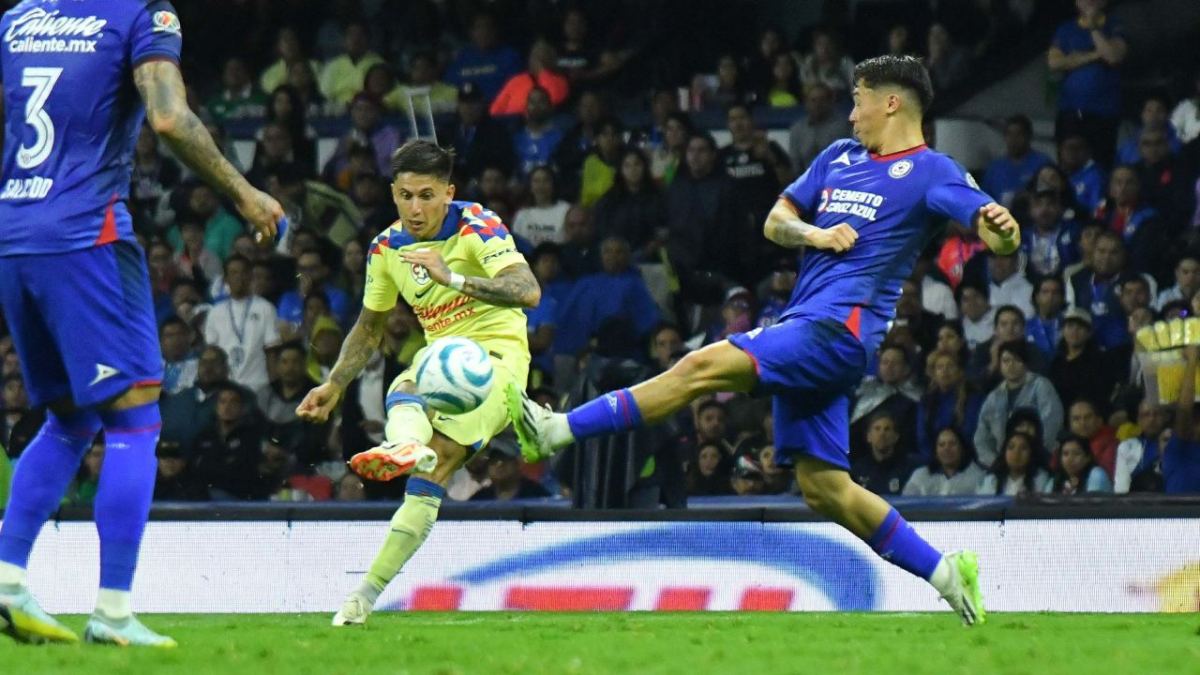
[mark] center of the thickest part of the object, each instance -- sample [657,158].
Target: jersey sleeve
[380,290]
[953,193]
[488,240]
[156,34]
[805,191]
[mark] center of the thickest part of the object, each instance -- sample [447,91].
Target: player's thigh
[42,366]
[803,355]
[721,366]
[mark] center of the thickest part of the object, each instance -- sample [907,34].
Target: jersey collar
[402,237]
[897,155]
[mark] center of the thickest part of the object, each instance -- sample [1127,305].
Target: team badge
[420,274]
[165,22]
[900,169]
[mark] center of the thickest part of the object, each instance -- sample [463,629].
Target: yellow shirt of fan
[474,243]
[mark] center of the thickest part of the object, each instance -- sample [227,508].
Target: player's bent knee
[135,397]
[717,367]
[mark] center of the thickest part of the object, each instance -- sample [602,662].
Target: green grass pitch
[625,643]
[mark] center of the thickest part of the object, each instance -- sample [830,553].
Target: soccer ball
[454,375]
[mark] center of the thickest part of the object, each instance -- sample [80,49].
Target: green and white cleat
[127,632]
[964,596]
[354,611]
[24,620]
[531,422]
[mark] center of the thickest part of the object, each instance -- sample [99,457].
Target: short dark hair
[706,137]
[1022,121]
[710,403]
[1007,309]
[423,157]
[291,345]
[1018,348]
[237,257]
[172,321]
[906,72]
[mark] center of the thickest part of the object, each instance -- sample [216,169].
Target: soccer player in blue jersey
[863,212]
[79,78]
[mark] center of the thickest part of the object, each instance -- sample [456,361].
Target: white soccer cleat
[24,620]
[392,460]
[354,611]
[126,632]
[532,423]
[964,596]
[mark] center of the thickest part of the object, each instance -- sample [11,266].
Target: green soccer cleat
[529,421]
[22,619]
[127,632]
[964,597]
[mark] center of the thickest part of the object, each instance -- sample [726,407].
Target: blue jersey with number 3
[72,117]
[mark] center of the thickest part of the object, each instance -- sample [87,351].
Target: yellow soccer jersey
[473,242]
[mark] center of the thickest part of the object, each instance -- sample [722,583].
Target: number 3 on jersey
[42,80]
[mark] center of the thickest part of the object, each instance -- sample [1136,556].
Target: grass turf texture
[689,643]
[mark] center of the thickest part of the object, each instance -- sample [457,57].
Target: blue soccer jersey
[72,116]
[889,200]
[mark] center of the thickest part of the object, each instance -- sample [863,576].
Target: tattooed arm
[360,345]
[785,227]
[513,286]
[161,87]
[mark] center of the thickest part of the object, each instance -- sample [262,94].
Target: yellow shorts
[474,429]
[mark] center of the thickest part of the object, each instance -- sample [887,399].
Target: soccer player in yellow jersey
[458,267]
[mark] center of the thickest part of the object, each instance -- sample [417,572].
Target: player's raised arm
[161,86]
[785,227]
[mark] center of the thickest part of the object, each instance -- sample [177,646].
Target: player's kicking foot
[533,424]
[127,632]
[24,620]
[392,460]
[354,611]
[964,595]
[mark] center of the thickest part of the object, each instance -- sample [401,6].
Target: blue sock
[125,491]
[42,476]
[611,413]
[419,487]
[896,542]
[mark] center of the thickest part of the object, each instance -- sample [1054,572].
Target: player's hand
[432,261]
[997,219]
[263,213]
[319,402]
[838,238]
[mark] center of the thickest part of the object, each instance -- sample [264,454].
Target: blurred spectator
[372,197]
[1154,116]
[667,159]
[1138,456]
[237,98]
[580,255]
[663,104]
[484,62]
[194,260]
[1089,231]
[1019,469]
[946,61]
[423,77]
[179,362]
[275,149]
[513,96]
[1006,176]
[543,219]
[1185,118]
[1049,241]
[228,450]
[366,130]
[759,64]
[1044,328]
[783,91]
[536,141]
[1005,282]
[616,293]
[826,64]
[580,138]
[977,315]
[154,176]
[350,488]
[1165,182]
[1087,179]
[601,164]
[477,139]
[220,227]
[342,76]
[774,297]
[1020,388]
[176,482]
[313,278]
[936,295]
[244,327]
[82,491]
[759,169]
[747,477]
[1088,51]
[894,390]
[470,478]
[1095,288]
[700,208]
[666,342]
[289,51]
[776,479]
[324,342]
[15,405]
[1077,471]
[949,402]
[633,208]
[303,78]
[951,473]
[316,205]
[1086,422]
[821,125]
[192,409]
[729,87]
[504,471]
[1009,326]
[884,469]
[1125,212]
[737,315]
[1187,281]
[708,472]
[286,108]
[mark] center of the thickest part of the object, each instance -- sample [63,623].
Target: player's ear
[450,192]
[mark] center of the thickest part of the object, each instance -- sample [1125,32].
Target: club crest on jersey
[165,22]
[420,274]
[900,169]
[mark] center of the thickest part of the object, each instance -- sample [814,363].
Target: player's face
[871,108]
[422,201]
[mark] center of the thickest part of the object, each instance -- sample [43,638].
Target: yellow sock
[408,422]
[409,527]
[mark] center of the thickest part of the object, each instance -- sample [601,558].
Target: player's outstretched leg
[717,367]
[830,491]
[406,437]
[39,482]
[122,508]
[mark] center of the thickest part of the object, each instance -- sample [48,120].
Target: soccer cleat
[22,619]
[127,632]
[964,596]
[530,421]
[354,611]
[392,460]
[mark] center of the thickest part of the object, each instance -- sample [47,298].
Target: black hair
[710,403]
[968,450]
[237,257]
[906,72]
[1007,309]
[1060,476]
[543,249]
[172,321]
[1037,461]
[1022,121]
[973,285]
[1018,348]
[706,137]
[423,157]
[291,345]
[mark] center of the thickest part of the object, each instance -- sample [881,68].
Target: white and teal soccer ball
[454,375]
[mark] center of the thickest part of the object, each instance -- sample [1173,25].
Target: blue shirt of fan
[1005,178]
[891,200]
[72,116]
[1088,183]
[1181,466]
[1096,87]
[534,151]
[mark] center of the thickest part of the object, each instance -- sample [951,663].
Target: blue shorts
[82,322]
[810,367]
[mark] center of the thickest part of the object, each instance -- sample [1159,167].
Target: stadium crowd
[1000,374]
